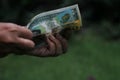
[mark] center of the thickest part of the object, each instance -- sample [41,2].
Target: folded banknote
[56,20]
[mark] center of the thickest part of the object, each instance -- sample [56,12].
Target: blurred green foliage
[93,53]
[89,58]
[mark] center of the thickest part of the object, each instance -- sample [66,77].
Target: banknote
[56,20]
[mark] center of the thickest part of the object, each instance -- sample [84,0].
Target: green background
[93,53]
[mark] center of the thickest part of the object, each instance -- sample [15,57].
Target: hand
[56,45]
[14,35]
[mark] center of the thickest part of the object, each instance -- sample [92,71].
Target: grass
[89,58]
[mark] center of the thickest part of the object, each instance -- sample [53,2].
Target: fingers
[45,51]
[20,30]
[39,52]
[23,36]
[16,30]
[25,42]
[25,33]
[63,42]
[55,46]
[51,46]
[14,34]
[58,47]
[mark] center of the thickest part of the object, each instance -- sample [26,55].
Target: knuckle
[11,26]
[7,27]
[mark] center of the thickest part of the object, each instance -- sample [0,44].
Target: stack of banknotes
[56,20]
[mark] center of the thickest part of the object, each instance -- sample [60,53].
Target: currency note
[56,20]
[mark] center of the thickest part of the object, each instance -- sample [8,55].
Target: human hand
[14,35]
[55,46]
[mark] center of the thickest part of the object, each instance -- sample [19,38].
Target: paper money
[56,20]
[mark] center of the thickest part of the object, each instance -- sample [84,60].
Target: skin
[18,39]
[56,45]
[12,33]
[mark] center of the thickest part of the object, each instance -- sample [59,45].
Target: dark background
[93,12]
[93,52]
